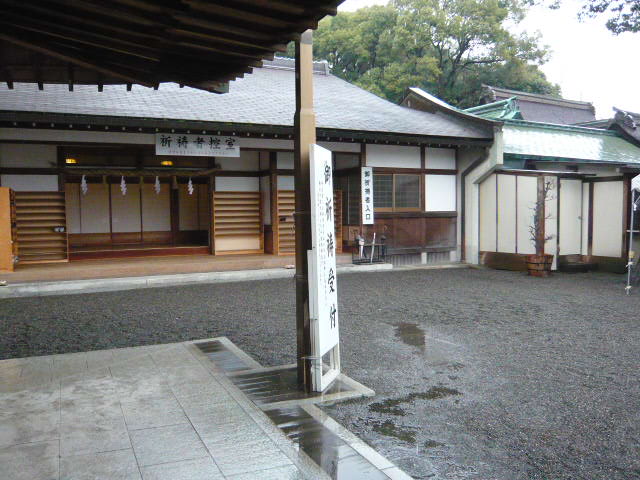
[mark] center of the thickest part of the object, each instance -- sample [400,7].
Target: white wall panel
[95,209]
[156,213]
[440,193]
[237,184]
[506,204]
[125,209]
[30,183]
[284,160]
[247,161]
[570,217]
[393,156]
[585,219]
[72,203]
[488,214]
[441,158]
[286,182]
[23,155]
[607,219]
[527,194]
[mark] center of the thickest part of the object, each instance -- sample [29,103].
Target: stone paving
[155,412]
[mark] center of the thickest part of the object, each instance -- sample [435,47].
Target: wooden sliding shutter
[286,227]
[37,215]
[237,222]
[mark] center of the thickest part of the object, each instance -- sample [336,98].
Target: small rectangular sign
[366,176]
[178,144]
[323,280]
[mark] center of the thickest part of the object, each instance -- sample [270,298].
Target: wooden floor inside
[144,266]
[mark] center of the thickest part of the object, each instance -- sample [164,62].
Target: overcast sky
[587,61]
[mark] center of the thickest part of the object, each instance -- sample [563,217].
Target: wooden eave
[203,44]
[74,122]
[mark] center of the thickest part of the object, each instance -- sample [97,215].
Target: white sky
[587,61]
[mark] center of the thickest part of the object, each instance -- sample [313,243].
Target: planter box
[539,265]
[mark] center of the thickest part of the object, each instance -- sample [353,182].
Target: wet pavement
[478,374]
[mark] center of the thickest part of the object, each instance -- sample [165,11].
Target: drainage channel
[276,392]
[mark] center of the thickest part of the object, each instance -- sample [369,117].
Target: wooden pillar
[304,136]
[6,231]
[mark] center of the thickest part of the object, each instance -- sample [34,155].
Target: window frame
[393,208]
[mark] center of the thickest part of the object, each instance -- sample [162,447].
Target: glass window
[396,192]
[407,191]
[383,191]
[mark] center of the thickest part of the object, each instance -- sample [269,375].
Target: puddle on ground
[392,405]
[390,429]
[411,334]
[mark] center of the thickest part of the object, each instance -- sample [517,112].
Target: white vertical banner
[323,286]
[366,195]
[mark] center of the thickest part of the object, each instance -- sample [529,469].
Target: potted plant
[539,264]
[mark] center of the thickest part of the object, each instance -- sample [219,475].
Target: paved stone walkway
[155,412]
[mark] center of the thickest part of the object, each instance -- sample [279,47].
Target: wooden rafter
[198,43]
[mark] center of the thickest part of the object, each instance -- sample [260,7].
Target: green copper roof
[500,110]
[556,142]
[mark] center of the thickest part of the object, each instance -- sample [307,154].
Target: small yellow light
[166,163]
[70,161]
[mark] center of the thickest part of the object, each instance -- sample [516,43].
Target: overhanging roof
[262,100]
[564,143]
[200,43]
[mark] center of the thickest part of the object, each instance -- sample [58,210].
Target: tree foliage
[447,47]
[624,15]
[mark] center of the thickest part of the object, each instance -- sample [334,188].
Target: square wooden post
[304,136]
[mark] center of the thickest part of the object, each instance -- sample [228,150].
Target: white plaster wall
[506,204]
[393,156]
[286,182]
[527,195]
[341,146]
[488,214]
[14,155]
[607,219]
[440,193]
[265,193]
[237,184]
[285,160]
[585,219]
[570,217]
[30,183]
[247,161]
[125,209]
[440,158]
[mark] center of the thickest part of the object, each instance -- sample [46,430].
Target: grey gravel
[479,374]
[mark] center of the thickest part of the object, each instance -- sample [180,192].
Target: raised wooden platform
[129,251]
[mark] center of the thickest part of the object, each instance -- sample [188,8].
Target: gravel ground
[479,374]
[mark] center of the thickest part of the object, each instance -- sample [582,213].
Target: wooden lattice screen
[237,222]
[37,215]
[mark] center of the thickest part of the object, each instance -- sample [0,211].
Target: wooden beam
[305,135]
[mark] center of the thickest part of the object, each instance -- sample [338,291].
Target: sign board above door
[196,145]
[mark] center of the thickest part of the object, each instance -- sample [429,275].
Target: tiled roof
[544,108]
[265,97]
[555,142]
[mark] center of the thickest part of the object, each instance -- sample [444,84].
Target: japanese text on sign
[367,195]
[196,145]
[324,297]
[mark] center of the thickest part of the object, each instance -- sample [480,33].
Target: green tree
[624,15]
[447,47]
